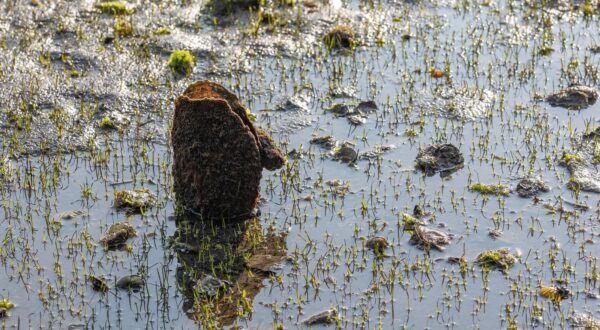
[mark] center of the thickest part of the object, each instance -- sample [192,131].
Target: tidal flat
[442,165]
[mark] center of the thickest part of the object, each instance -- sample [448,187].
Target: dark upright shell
[216,159]
[218,155]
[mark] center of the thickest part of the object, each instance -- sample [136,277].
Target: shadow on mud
[222,266]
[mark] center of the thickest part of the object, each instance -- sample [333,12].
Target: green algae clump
[6,304]
[182,62]
[98,283]
[489,189]
[410,222]
[114,8]
[500,258]
[106,123]
[568,158]
[588,9]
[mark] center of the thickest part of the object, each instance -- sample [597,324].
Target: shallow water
[484,46]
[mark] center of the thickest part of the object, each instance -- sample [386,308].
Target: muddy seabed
[86,100]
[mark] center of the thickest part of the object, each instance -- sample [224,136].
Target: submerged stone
[443,158]
[346,153]
[296,102]
[98,283]
[377,151]
[136,200]
[495,233]
[324,317]
[218,155]
[377,243]
[581,162]
[582,321]
[130,282]
[357,119]
[118,234]
[529,187]
[426,237]
[68,215]
[340,109]
[574,97]
[327,142]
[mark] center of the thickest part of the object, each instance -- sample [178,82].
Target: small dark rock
[495,233]
[118,234]
[130,282]
[135,200]
[324,317]
[357,119]
[439,158]
[346,153]
[574,97]
[455,260]
[431,238]
[528,187]
[377,243]
[340,109]
[327,142]
[377,151]
[366,107]
[98,283]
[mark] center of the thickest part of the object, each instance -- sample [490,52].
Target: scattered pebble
[346,153]
[377,243]
[118,234]
[529,187]
[495,233]
[130,282]
[426,237]
[574,97]
[135,200]
[327,141]
[324,317]
[69,215]
[443,158]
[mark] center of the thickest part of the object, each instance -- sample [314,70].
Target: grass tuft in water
[114,8]
[181,62]
[490,189]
